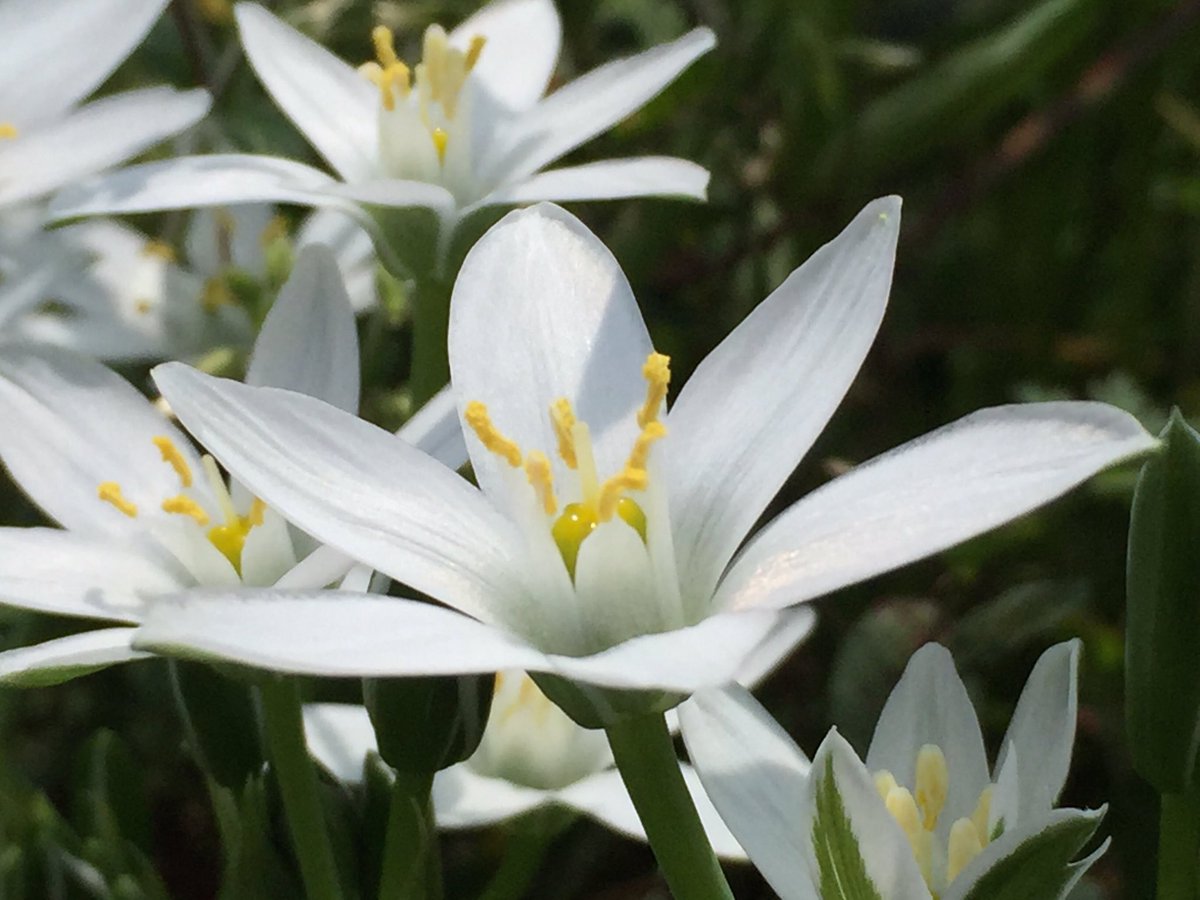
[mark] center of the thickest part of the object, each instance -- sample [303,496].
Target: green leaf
[843,874]
[1162,666]
[222,726]
[1041,867]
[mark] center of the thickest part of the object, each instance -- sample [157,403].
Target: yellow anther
[885,783]
[639,456]
[903,808]
[258,509]
[183,505]
[172,457]
[216,294]
[965,845]
[276,229]
[615,487]
[537,470]
[982,814]
[143,306]
[440,142]
[569,530]
[160,249]
[8,131]
[657,372]
[218,12]
[562,417]
[389,72]
[385,45]
[473,51]
[932,783]
[476,416]
[110,492]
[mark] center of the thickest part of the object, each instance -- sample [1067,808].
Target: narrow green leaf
[843,874]
[1162,631]
[1041,867]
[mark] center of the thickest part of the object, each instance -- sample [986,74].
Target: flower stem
[412,865]
[284,726]
[1179,847]
[430,322]
[645,756]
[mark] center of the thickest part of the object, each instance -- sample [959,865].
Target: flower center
[599,501]
[8,131]
[918,812]
[228,536]
[434,85]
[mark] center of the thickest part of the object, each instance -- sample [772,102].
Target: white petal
[320,568]
[885,849]
[332,105]
[541,294]
[334,633]
[309,340]
[70,426]
[523,38]
[591,105]
[65,658]
[268,553]
[929,705]
[756,777]
[53,571]
[465,799]
[755,405]
[94,137]
[218,179]
[55,54]
[339,736]
[352,485]
[615,587]
[1043,729]
[928,495]
[613,179]
[353,248]
[793,628]
[435,428]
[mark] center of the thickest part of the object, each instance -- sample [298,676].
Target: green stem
[1179,847]
[430,322]
[645,756]
[412,865]
[284,726]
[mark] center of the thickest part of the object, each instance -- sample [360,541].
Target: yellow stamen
[160,249]
[8,131]
[142,307]
[277,228]
[172,457]
[657,372]
[982,814]
[903,808]
[473,51]
[258,509]
[216,294]
[183,505]
[589,482]
[932,783]
[385,45]
[885,783]
[562,417]
[476,416]
[440,141]
[634,477]
[537,470]
[389,72]
[217,12]
[110,492]
[965,845]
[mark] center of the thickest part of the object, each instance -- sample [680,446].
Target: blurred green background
[1048,154]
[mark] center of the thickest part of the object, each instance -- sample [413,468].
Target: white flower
[603,542]
[466,127]
[142,514]
[51,57]
[922,818]
[531,756]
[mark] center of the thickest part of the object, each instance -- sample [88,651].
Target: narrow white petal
[592,104]
[353,248]
[268,553]
[436,429]
[72,425]
[465,799]
[523,38]
[885,849]
[928,495]
[53,571]
[332,105]
[55,54]
[355,486]
[1042,730]
[755,405]
[62,659]
[93,138]
[332,633]
[339,737]
[792,630]
[309,340]
[756,777]
[615,587]
[929,705]
[399,193]
[186,181]
[320,568]
[613,179]
[544,296]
